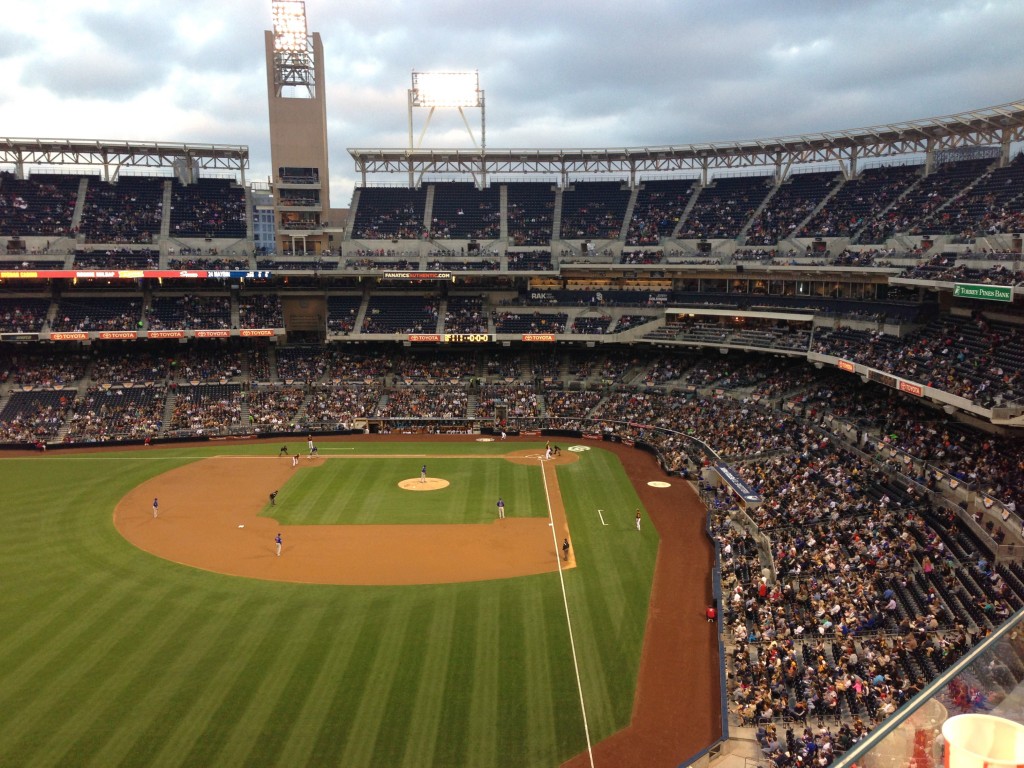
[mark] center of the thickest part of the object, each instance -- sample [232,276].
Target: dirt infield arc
[676,706]
[209,519]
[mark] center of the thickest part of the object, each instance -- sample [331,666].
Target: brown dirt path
[676,707]
[209,519]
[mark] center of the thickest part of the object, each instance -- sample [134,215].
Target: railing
[988,679]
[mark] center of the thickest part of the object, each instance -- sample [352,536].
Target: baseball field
[401,625]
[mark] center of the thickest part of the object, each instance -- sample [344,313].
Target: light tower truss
[112,156]
[294,68]
[449,90]
[999,126]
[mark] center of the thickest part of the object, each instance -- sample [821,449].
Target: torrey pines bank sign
[986,292]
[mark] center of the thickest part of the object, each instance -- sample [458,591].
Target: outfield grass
[110,656]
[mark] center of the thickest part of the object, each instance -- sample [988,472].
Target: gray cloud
[574,73]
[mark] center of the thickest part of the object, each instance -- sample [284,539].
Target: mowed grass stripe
[202,667]
[513,733]
[325,681]
[20,642]
[34,682]
[482,728]
[46,716]
[359,637]
[133,667]
[536,666]
[610,584]
[423,728]
[459,680]
[176,704]
[198,736]
[400,695]
[368,719]
[262,724]
[361,491]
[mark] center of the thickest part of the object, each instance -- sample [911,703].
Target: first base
[242,525]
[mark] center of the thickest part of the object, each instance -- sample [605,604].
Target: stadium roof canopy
[992,126]
[111,156]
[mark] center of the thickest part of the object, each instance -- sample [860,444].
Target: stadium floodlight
[446,89]
[289,25]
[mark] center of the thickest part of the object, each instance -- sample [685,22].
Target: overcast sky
[575,73]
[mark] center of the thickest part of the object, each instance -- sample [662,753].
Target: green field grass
[353,491]
[110,656]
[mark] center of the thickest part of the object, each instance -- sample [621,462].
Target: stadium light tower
[298,131]
[293,48]
[448,90]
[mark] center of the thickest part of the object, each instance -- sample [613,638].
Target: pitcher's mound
[417,484]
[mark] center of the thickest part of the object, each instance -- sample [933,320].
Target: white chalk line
[601,516]
[568,620]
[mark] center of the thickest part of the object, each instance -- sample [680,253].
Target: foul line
[568,620]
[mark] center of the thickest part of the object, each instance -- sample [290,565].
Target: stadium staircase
[697,188]
[741,236]
[357,324]
[835,244]
[855,235]
[250,206]
[442,312]
[165,214]
[628,216]
[353,211]
[76,217]
[556,219]
[271,362]
[169,404]
[503,212]
[428,208]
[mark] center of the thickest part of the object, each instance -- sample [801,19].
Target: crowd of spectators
[208,208]
[107,413]
[428,366]
[23,315]
[119,366]
[119,258]
[206,409]
[330,405]
[39,205]
[439,402]
[128,211]
[210,262]
[658,208]
[207,363]
[520,400]
[537,322]
[34,417]
[794,200]
[642,257]
[465,314]
[301,363]
[76,313]
[262,310]
[961,357]
[274,408]
[189,312]
[530,261]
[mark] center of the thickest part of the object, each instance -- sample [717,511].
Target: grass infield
[110,656]
[355,490]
